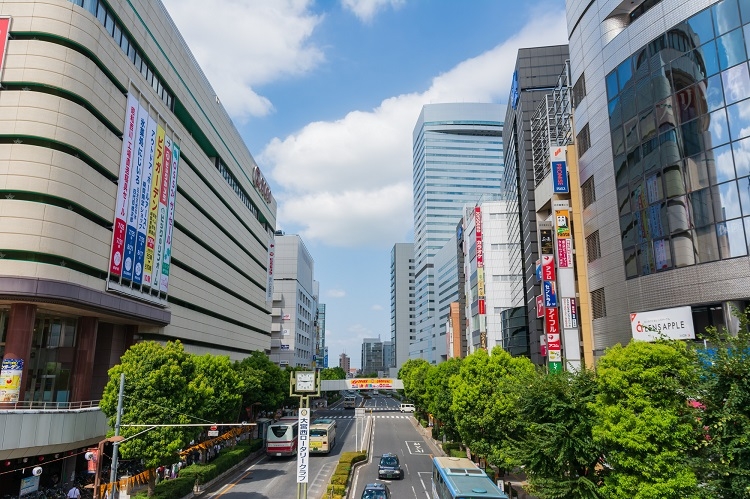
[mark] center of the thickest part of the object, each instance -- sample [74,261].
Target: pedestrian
[74,492]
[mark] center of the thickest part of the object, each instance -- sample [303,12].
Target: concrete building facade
[402,301]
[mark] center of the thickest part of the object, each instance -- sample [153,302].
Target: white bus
[350,402]
[322,438]
[282,437]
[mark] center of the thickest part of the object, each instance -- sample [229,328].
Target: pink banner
[548,268]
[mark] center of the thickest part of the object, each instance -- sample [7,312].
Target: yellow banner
[153,207]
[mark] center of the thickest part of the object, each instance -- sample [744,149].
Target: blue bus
[460,478]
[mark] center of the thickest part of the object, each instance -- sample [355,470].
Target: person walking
[74,492]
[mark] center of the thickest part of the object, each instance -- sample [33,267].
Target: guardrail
[29,405]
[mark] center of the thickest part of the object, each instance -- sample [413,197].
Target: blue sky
[326,95]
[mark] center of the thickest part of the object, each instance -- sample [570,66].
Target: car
[376,491]
[406,408]
[389,467]
[325,421]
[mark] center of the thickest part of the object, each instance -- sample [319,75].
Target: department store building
[130,210]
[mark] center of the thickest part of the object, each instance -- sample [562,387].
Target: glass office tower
[458,156]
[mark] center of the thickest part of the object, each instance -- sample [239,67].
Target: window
[593,249]
[583,140]
[579,90]
[588,193]
[598,306]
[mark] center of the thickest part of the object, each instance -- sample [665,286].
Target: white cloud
[377,307]
[348,182]
[365,10]
[336,293]
[241,44]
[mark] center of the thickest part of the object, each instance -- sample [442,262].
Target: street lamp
[100,452]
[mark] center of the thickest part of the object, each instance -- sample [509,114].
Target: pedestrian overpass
[336,385]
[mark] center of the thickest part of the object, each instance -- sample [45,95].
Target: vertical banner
[546,242]
[564,253]
[303,447]
[161,225]
[269,270]
[554,346]
[4,31]
[548,268]
[559,170]
[167,260]
[562,222]
[10,379]
[131,229]
[121,202]
[145,195]
[153,207]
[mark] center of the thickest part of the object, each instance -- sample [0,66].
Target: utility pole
[303,384]
[115,446]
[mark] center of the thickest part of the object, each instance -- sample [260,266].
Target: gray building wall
[402,301]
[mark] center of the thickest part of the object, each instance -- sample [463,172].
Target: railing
[47,406]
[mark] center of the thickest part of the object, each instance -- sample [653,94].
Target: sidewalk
[516,481]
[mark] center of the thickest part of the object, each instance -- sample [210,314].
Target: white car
[406,408]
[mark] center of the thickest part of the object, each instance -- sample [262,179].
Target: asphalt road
[274,478]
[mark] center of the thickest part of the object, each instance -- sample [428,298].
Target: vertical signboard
[481,303]
[4,30]
[269,271]
[153,207]
[559,170]
[10,379]
[121,201]
[144,196]
[562,223]
[131,229]
[167,260]
[546,242]
[161,224]
[554,346]
[303,446]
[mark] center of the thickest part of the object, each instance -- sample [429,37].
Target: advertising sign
[269,271]
[123,183]
[539,306]
[286,317]
[131,231]
[551,322]
[4,30]
[167,260]
[284,332]
[543,345]
[153,207]
[284,347]
[564,253]
[161,213]
[145,196]
[546,242]
[480,283]
[559,170]
[482,305]
[369,383]
[538,271]
[569,313]
[10,379]
[29,484]
[562,222]
[303,446]
[670,323]
[548,268]
[514,91]
[549,291]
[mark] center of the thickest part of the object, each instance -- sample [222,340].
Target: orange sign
[370,383]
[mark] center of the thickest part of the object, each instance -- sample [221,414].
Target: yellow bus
[322,437]
[350,402]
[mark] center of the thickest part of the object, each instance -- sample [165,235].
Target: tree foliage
[486,392]
[439,396]
[331,373]
[264,383]
[643,421]
[724,404]
[414,374]
[556,445]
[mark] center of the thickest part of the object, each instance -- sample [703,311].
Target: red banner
[548,268]
[4,30]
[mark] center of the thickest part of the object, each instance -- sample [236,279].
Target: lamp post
[100,452]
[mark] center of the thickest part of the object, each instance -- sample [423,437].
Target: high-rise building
[388,359]
[372,356]
[321,353]
[663,136]
[536,74]
[447,289]
[489,280]
[458,156]
[293,340]
[97,98]
[402,301]
[345,363]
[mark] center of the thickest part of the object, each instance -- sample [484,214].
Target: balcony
[32,428]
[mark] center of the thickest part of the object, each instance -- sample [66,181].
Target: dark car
[376,491]
[389,467]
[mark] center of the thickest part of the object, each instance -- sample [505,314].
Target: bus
[282,437]
[322,437]
[350,402]
[460,478]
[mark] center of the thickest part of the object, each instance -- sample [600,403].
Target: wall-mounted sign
[569,313]
[515,92]
[562,223]
[670,323]
[10,379]
[539,306]
[549,291]
[303,446]
[286,317]
[559,170]
[548,268]
[546,242]
[564,253]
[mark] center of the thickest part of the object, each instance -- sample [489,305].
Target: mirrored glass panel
[624,74]
[699,170]
[701,210]
[678,215]
[662,254]
[744,189]
[684,250]
[708,59]
[701,25]
[674,181]
[731,49]
[741,150]
[646,259]
[612,87]
[714,93]
[731,238]
[631,263]
[727,201]
[736,82]
[627,231]
[724,164]
[726,16]
[718,128]
[739,119]
[706,245]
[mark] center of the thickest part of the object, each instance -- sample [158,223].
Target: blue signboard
[550,294]
[560,177]
[514,92]
[538,271]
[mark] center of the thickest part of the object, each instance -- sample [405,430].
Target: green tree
[215,376]
[725,411]
[557,446]
[643,421]
[486,392]
[414,374]
[266,386]
[159,389]
[438,394]
[331,373]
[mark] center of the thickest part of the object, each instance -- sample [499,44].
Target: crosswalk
[367,409]
[378,416]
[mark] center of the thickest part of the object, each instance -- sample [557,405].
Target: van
[407,408]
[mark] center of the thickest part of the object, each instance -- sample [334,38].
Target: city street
[274,478]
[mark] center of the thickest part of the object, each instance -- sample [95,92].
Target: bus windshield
[279,431]
[315,432]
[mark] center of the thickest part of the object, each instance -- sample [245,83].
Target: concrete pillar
[83,366]
[19,338]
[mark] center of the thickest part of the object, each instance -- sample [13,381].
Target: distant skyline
[326,95]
